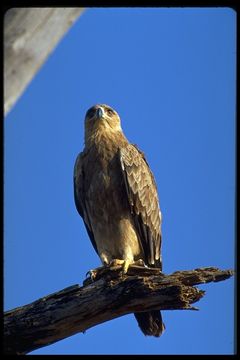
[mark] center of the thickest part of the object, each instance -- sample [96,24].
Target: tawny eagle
[116,195]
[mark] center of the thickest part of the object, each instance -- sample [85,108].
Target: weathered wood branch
[111,294]
[30,35]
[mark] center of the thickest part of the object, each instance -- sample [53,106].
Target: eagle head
[99,119]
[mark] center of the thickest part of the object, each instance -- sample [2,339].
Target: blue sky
[170,73]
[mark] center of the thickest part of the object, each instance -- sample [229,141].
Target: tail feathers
[150,322]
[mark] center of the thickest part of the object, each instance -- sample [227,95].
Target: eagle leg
[126,266]
[124,263]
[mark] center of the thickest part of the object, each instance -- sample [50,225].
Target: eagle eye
[90,113]
[110,112]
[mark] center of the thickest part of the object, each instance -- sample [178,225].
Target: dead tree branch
[111,294]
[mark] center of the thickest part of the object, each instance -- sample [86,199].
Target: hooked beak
[100,112]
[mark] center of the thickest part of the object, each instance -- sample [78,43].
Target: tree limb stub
[111,294]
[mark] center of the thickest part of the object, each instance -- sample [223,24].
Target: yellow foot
[125,264]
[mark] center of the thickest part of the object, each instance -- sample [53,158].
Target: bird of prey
[116,195]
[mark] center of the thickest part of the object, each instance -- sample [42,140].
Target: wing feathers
[143,199]
[79,197]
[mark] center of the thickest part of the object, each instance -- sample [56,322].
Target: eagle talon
[140,262]
[92,274]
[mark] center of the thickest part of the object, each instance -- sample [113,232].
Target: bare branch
[111,294]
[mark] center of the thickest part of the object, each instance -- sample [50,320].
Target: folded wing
[143,200]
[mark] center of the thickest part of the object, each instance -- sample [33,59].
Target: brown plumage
[115,194]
